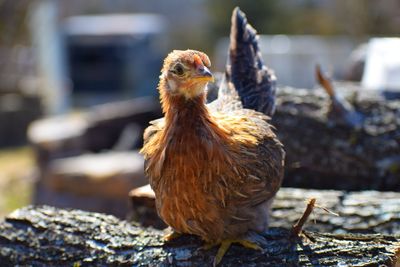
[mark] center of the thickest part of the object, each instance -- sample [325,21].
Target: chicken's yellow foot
[225,244]
[171,236]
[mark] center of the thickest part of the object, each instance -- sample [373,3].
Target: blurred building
[114,57]
[93,59]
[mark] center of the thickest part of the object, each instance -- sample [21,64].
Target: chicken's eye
[178,70]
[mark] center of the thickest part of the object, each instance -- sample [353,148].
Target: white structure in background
[49,45]
[115,24]
[294,57]
[382,68]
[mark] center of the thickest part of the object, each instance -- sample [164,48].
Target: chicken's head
[186,73]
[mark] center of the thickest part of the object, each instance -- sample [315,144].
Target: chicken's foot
[225,245]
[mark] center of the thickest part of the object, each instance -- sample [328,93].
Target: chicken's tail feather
[245,71]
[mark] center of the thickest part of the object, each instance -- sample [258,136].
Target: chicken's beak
[203,73]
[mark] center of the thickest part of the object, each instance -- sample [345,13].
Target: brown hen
[215,168]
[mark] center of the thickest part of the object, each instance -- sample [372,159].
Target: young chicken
[215,168]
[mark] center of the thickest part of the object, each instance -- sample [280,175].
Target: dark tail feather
[254,83]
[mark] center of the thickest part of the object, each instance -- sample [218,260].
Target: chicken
[341,112]
[215,168]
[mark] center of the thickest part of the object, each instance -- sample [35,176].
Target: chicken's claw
[171,236]
[225,244]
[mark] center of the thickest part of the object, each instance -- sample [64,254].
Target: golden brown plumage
[213,173]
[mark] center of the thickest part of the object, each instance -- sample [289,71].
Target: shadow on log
[46,236]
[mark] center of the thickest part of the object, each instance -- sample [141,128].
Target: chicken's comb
[197,60]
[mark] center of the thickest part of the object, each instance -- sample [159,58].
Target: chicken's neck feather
[179,109]
[189,121]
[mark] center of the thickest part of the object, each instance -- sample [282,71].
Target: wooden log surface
[46,236]
[359,212]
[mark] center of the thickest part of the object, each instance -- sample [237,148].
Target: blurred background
[78,79]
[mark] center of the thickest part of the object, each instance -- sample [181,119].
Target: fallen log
[94,182]
[96,129]
[325,153]
[46,236]
[359,212]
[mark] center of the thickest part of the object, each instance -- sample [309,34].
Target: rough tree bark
[46,236]
[326,153]
[359,212]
